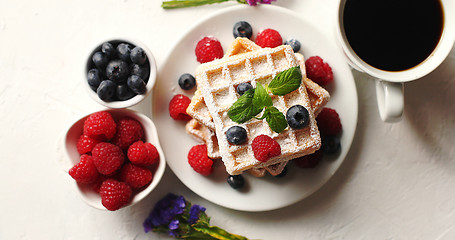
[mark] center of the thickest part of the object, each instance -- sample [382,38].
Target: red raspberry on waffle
[115,194]
[177,107]
[264,148]
[143,153]
[85,170]
[199,160]
[129,131]
[135,176]
[208,49]
[100,125]
[107,157]
[269,38]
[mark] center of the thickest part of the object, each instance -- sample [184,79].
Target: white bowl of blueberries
[120,73]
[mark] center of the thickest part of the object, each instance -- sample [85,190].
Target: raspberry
[128,131]
[85,144]
[135,176]
[309,161]
[143,153]
[318,70]
[115,194]
[177,107]
[84,171]
[264,148]
[100,125]
[329,122]
[208,49]
[269,38]
[199,160]
[107,157]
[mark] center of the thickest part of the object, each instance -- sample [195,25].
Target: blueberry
[106,90]
[330,145]
[297,117]
[123,51]
[242,29]
[136,84]
[294,43]
[93,78]
[236,181]
[108,49]
[187,81]
[138,56]
[117,71]
[243,87]
[236,135]
[124,92]
[141,71]
[283,173]
[100,60]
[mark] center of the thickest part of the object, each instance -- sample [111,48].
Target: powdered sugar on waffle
[217,81]
[317,94]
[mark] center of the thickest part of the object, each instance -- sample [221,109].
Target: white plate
[266,193]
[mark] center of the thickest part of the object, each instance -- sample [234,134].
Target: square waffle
[217,81]
[317,94]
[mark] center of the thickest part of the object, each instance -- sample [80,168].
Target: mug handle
[390,100]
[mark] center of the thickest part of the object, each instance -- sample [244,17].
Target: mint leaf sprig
[286,81]
[254,101]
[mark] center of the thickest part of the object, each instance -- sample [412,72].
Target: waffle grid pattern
[318,96]
[218,80]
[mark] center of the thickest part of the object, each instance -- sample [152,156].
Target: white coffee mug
[389,84]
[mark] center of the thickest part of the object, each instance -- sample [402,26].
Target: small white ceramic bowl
[136,99]
[72,156]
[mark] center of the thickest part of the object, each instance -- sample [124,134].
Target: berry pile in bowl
[120,73]
[115,158]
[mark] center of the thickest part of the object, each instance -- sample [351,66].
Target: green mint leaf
[244,109]
[261,97]
[286,81]
[276,120]
[263,115]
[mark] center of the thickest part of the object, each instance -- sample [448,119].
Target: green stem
[188,3]
[216,232]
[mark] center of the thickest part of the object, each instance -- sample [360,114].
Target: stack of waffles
[216,83]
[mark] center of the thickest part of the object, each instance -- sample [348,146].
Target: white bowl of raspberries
[120,73]
[115,158]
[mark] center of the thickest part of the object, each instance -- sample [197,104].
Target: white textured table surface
[397,182]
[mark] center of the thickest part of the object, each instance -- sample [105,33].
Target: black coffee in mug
[393,35]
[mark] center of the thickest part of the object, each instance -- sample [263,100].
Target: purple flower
[194,213]
[252,2]
[164,211]
[267,1]
[174,224]
[255,2]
